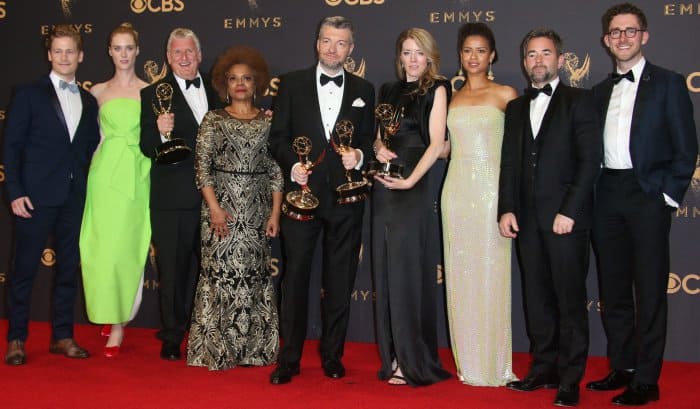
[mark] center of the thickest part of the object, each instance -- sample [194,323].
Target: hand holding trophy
[351,191]
[389,122]
[300,204]
[174,150]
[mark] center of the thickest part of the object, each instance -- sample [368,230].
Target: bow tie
[72,87]
[338,79]
[618,77]
[534,92]
[196,82]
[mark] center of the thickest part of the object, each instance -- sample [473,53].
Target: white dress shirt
[196,98]
[538,107]
[71,104]
[330,98]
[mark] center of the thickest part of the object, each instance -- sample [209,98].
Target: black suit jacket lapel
[551,108]
[315,106]
[53,98]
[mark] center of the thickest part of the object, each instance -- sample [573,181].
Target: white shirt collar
[636,69]
[55,79]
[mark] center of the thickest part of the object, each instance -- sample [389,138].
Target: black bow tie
[196,82]
[618,77]
[338,79]
[534,92]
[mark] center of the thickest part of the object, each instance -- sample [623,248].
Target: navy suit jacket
[663,139]
[40,159]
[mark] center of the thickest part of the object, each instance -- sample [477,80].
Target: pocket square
[358,102]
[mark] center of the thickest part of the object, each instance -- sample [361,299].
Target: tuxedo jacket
[172,186]
[567,162]
[297,113]
[40,159]
[663,139]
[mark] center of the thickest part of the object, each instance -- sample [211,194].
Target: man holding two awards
[309,103]
[171,111]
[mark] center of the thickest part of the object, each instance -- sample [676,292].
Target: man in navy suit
[309,103]
[650,147]
[550,159]
[50,137]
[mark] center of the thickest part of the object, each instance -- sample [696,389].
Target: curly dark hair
[624,8]
[240,54]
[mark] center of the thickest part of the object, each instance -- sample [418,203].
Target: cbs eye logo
[334,3]
[692,80]
[157,6]
[48,257]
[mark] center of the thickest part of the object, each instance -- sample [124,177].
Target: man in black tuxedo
[550,159]
[650,147]
[175,201]
[308,103]
[50,137]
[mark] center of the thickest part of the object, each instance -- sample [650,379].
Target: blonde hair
[427,44]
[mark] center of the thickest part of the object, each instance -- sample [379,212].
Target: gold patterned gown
[477,258]
[234,319]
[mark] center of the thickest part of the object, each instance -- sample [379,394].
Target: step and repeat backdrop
[284,31]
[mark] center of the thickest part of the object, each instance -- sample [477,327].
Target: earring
[254,94]
[490,75]
[460,72]
[228,99]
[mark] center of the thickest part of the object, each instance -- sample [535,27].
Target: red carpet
[138,378]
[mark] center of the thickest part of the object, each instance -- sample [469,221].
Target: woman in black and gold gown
[234,320]
[405,284]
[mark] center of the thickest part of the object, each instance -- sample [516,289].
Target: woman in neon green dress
[116,230]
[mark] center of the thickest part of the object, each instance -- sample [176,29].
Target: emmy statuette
[350,191]
[174,150]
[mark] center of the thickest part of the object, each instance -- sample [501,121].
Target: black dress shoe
[333,368]
[170,351]
[533,382]
[283,374]
[15,353]
[637,395]
[567,395]
[616,379]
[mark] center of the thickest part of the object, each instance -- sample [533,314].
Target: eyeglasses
[630,32]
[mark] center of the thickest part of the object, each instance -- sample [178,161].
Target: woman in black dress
[405,284]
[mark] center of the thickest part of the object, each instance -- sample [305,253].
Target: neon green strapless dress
[116,228]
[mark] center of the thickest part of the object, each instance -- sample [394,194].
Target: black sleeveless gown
[406,286]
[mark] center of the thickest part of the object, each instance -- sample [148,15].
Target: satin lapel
[551,107]
[348,92]
[84,102]
[51,95]
[315,106]
[639,102]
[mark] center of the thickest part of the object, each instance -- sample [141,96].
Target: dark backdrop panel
[285,32]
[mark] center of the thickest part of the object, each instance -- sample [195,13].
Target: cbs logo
[157,6]
[688,284]
[334,3]
[693,82]
[3,12]
[274,267]
[48,257]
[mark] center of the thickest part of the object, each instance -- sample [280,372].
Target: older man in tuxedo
[50,137]
[550,159]
[650,148]
[175,201]
[309,103]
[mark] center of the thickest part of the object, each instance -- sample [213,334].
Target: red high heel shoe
[111,352]
[106,330]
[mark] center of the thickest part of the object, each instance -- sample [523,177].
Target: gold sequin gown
[477,258]
[234,319]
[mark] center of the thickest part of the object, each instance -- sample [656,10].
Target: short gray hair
[338,22]
[180,33]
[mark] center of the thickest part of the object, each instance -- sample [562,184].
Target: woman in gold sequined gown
[234,319]
[477,258]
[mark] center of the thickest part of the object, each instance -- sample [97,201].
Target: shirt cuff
[291,173]
[361,161]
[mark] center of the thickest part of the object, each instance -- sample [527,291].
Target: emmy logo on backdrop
[174,150]
[350,191]
[150,68]
[576,70]
[300,204]
[389,121]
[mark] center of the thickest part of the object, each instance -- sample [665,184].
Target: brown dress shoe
[15,353]
[69,348]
